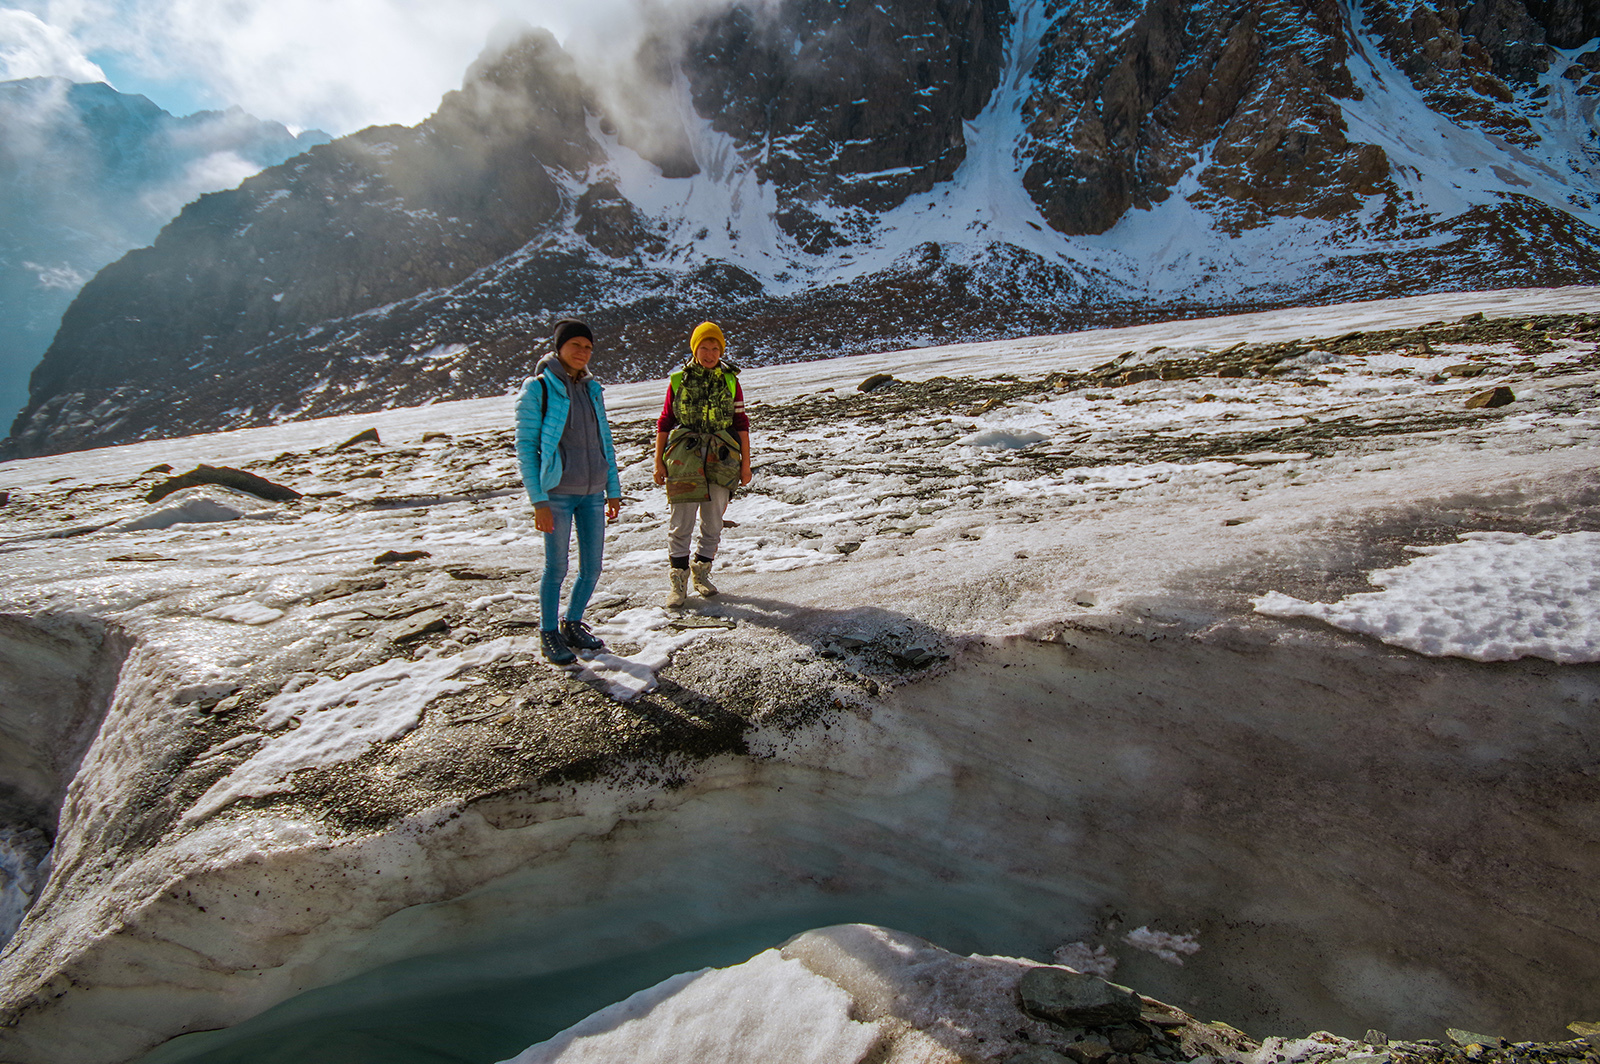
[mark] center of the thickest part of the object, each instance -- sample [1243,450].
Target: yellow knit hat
[702,331]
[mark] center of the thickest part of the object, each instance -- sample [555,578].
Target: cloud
[33,48]
[63,276]
[336,65]
[219,170]
[311,63]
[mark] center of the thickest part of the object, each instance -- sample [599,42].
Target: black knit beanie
[567,328]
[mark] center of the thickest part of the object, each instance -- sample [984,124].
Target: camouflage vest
[702,399]
[702,449]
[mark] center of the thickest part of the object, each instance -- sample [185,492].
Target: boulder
[1493,397]
[391,557]
[1073,999]
[236,479]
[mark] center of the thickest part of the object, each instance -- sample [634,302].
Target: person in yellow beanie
[702,455]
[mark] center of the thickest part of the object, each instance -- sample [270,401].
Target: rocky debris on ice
[924,652]
[1490,399]
[1074,999]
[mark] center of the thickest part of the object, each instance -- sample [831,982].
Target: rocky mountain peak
[1256,86]
[856,105]
[526,100]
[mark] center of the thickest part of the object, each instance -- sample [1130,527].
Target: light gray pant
[709,513]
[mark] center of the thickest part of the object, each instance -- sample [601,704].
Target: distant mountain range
[87,174]
[827,178]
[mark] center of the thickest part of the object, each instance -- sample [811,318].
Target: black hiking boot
[556,651]
[576,634]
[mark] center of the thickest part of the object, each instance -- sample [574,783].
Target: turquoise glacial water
[483,1006]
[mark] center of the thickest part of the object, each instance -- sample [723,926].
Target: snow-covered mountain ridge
[1051,640]
[829,179]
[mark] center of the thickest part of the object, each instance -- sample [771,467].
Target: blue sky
[180,96]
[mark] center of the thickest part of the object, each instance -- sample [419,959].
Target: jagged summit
[837,178]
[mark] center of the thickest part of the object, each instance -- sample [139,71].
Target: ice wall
[56,678]
[1342,829]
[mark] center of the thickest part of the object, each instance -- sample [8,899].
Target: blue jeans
[588,512]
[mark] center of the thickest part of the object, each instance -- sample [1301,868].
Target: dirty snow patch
[768,1008]
[340,718]
[651,629]
[1011,439]
[1169,947]
[189,508]
[1492,596]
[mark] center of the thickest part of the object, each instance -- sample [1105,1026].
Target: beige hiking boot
[702,579]
[680,588]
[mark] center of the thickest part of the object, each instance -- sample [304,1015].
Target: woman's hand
[661,471]
[744,472]
[613,508]
[543,519]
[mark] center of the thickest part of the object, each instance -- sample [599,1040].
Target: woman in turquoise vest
[569,468]
[702,454]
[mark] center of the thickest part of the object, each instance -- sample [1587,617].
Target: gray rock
[1129,1041]
[237,479]
[914,657]
[341,588]
[1038,1055]
[226,705]
[482,572]
[1468,1038]
[420,624]
[1075,1000]
[389,557]
[1493,397]
[1090,1051]
[204,693]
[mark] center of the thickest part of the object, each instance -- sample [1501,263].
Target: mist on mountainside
[88,174]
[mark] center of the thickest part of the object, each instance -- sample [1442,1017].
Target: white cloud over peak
[30,47]
[218,170]
[337,65]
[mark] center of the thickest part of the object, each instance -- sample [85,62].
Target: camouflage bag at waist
[696,459]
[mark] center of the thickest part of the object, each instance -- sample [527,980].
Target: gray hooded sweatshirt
[583,460]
